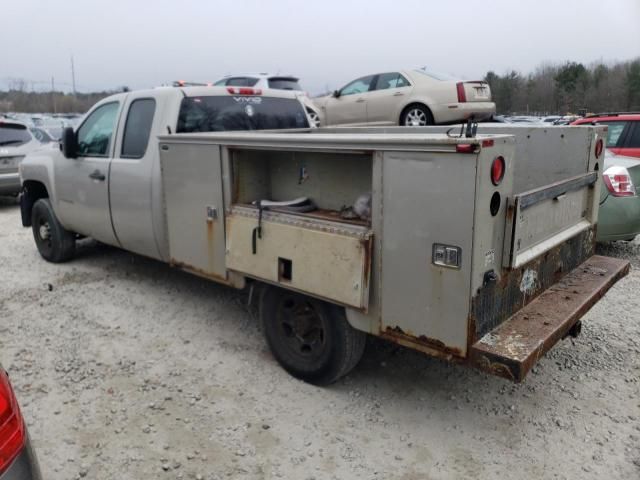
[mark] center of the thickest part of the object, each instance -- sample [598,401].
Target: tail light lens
[599,148]
[462,95]
[244,91]
[618,182]
[498,168]
[12,434]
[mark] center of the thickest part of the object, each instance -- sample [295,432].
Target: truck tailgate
[542,218]
[511,349]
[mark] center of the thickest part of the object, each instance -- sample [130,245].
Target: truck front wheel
[54,243]
[311,339]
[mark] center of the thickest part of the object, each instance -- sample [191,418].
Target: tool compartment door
[193,203]
[323,259]
[543,218]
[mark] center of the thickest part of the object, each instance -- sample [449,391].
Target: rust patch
[511,349]
[367,246]
[422,343]
[198,271]
[496,302]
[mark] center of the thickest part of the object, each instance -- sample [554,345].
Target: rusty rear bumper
[511,349]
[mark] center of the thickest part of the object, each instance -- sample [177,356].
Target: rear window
[284,84]
[614,131]
[237,82]
[13,134]
[232,113]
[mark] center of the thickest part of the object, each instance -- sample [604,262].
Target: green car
[619,216]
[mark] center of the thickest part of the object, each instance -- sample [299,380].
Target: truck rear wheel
[54,243]
[311,339]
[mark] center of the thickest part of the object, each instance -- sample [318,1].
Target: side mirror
[69,143]
[336,93]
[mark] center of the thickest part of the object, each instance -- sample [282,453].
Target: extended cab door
[135,175]
[350,107]
[391,91]
[82,183]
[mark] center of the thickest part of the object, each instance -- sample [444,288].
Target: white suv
[277,82]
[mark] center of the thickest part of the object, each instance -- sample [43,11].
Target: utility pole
[73,77]
[53,94]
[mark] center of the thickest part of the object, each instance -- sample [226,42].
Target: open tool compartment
[320,246]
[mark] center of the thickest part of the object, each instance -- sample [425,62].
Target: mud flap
[512,349]
[26,205]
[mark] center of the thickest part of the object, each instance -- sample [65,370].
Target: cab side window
[391,80]
[360,85]
[94,136]
[138,128]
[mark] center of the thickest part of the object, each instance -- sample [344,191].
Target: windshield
[13,134]
[435,75]
[228,113]
[284,83]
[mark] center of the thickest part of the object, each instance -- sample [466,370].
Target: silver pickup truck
[478,249]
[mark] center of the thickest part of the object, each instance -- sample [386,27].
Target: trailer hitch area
[575,330]
[512,348]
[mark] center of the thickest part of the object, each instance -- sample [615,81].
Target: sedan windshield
[218,113]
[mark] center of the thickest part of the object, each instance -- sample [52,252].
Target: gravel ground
[128,369]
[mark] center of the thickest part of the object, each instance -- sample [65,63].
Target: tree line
[568,88]
[550,89]
[19,99]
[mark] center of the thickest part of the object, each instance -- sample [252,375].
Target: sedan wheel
[416,116]
[314,118]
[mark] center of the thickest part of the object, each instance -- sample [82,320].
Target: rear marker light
[487,143]
[497,170]
[618,182]
[12,434]
[462,95]
[465,148]
[599,147]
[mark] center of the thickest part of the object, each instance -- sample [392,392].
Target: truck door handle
[360,100]
[97,175]
[398,94]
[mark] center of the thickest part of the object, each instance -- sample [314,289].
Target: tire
[309,338]
[314,118]
[416,116]
[54,243]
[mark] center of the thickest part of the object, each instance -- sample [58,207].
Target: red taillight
[462,95]
[12,435]
[497,170]
[244,91]
[465,148]
[599,147]
[618,182]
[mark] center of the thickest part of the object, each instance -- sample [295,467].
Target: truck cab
[106,184]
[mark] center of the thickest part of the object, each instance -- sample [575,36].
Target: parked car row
[415,97]
[16,140]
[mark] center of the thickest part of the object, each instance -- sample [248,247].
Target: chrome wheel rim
[315,119]
[415,118]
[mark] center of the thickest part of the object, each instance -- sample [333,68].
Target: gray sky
[144,43]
